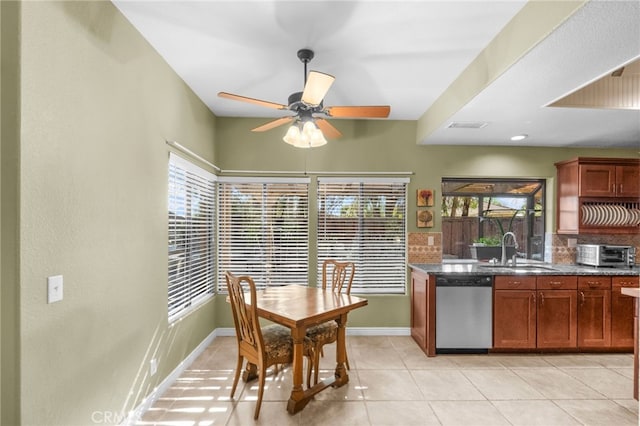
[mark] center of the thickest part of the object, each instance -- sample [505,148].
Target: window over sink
[479,211]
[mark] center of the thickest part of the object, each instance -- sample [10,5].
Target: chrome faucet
[503,261]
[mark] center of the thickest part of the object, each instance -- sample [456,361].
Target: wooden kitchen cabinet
[535,312]
[591,193]
[557,319]
[594,312]
[514,313]
[609,180]
[622,311]
[423,315]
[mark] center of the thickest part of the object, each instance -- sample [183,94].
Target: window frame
[373,263]
[276,270]
[193,247]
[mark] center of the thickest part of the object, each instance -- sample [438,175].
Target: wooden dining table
[299,307]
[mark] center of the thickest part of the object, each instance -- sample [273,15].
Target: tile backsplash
[426,247]
[563,251]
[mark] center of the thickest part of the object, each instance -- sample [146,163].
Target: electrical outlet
[54,288]
[572,242]
[153,366]
[430,241]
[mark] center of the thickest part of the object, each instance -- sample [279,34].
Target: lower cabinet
[419,308]
[594,312]
[622,312]
[560,312]
[423,316]
[514,313]
[557,317]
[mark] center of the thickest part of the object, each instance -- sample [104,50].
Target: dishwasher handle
[464,281]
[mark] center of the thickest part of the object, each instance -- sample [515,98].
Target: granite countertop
[523,267]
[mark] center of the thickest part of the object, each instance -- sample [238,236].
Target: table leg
[341,375]
[298,398]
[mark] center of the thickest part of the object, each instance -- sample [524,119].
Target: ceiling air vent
[467,125]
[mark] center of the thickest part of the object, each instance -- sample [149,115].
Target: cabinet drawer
[594,283]
[510,282]
[620,282]
[557,282]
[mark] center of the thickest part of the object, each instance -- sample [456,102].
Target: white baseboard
[135,415]
[148,402]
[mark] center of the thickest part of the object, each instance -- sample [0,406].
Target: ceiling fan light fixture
[309,137]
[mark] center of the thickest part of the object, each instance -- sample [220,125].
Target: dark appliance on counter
[464,314]
[606,255]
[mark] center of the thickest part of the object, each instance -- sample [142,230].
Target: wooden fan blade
[316,88]
[251,100]
[380,111]
[327,128]
[272,124]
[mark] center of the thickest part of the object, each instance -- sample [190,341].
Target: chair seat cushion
[277,341]
[325,332]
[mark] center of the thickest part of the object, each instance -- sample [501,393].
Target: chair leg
[237,375]
[309,369]
[316,363]
[346,359]
[263,372]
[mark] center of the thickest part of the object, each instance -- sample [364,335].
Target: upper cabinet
[598,195]
[609,180]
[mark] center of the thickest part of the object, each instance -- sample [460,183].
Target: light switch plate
[54,288]
[572,242]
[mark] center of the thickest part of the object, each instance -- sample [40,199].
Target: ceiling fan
[308,108]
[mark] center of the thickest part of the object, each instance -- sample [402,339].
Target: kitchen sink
[526,268]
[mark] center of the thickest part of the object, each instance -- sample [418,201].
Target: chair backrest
[339,274]
[245,317]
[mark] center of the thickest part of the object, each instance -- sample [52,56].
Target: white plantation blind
[364,221]
[191,235]
[263,230]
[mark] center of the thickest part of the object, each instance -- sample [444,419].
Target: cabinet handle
[541,299]
[613,188]
[533,297]
[581,298]
[620,189]
[556,283]
[593,284]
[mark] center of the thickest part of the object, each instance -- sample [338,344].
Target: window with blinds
[263,230]
[364,221]
[191,236]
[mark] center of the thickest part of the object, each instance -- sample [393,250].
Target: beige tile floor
[392,382]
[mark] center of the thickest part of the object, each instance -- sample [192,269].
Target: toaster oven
[606,255]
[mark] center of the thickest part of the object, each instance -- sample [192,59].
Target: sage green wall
[385,146]
[9,196]
[97,104]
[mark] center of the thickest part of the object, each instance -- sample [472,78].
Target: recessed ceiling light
[519,137]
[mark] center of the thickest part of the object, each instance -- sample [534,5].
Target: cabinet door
[419,308]
[597,180]
[622,312]
[594,318]
[514,319]
[627,181]
[557,318]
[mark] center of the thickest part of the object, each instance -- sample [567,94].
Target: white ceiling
[400,53]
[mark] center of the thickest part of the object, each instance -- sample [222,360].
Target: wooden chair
[340,274]
[262,347]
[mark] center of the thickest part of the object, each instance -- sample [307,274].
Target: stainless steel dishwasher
[464,308]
